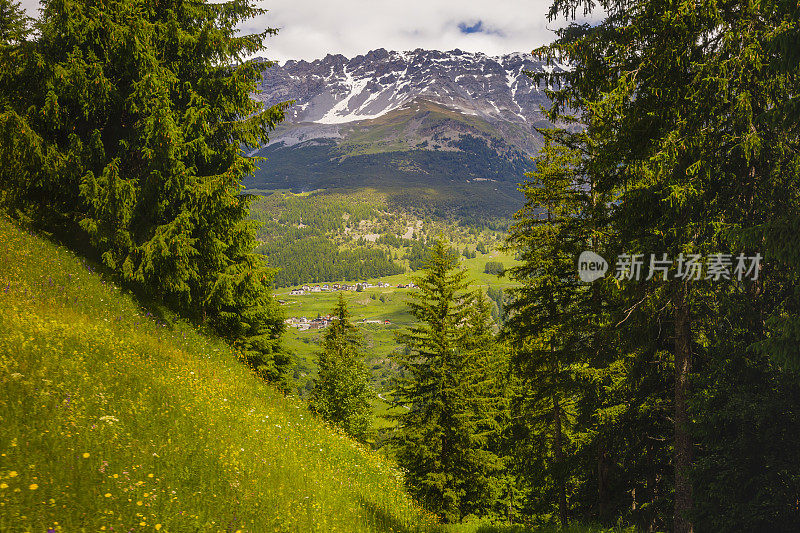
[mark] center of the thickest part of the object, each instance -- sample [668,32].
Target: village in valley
[379,309]
[358,287]
[321,322]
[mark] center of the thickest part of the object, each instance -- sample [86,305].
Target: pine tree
[14,24]
[686,114]
[542,320]
[442,441]
[127,136]
[342,393]
[18,155]
[488,390]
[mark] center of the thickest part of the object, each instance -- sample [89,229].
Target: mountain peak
[338,90]
[461,124]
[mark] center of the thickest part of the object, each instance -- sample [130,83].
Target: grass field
[373,304]
[110,418]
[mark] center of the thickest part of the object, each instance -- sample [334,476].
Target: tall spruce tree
[544,322]
[682,105]
[126,131]
[18,155]
[14,23]
[442,439]
[342,393]
[488,493]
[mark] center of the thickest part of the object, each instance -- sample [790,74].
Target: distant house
[402,286]
[319,323]
[297,292]
[306,288]
[316,288]
[326,288]
[386,322]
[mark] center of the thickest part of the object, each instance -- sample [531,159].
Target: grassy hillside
[112,419]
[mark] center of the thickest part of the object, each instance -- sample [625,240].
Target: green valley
[400,291]
[361,233]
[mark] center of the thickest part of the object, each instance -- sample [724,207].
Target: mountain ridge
[455,122]
[337,90]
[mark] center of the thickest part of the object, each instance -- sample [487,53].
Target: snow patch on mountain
[336,90]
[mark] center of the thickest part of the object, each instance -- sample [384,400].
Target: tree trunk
[683,443]
[559,453]
[602,483]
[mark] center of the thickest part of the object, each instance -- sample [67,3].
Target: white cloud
[310,29]
[31,7]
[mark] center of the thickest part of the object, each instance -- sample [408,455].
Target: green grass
[574,528]
[112,418]
[380,340]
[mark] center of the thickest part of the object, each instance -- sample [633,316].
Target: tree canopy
[123,125]
[342,393]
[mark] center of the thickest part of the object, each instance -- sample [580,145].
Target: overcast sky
[310,29]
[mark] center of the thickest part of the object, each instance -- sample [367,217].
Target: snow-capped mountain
[432,120]
[337,90]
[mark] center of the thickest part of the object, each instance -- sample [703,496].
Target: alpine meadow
[419,290]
